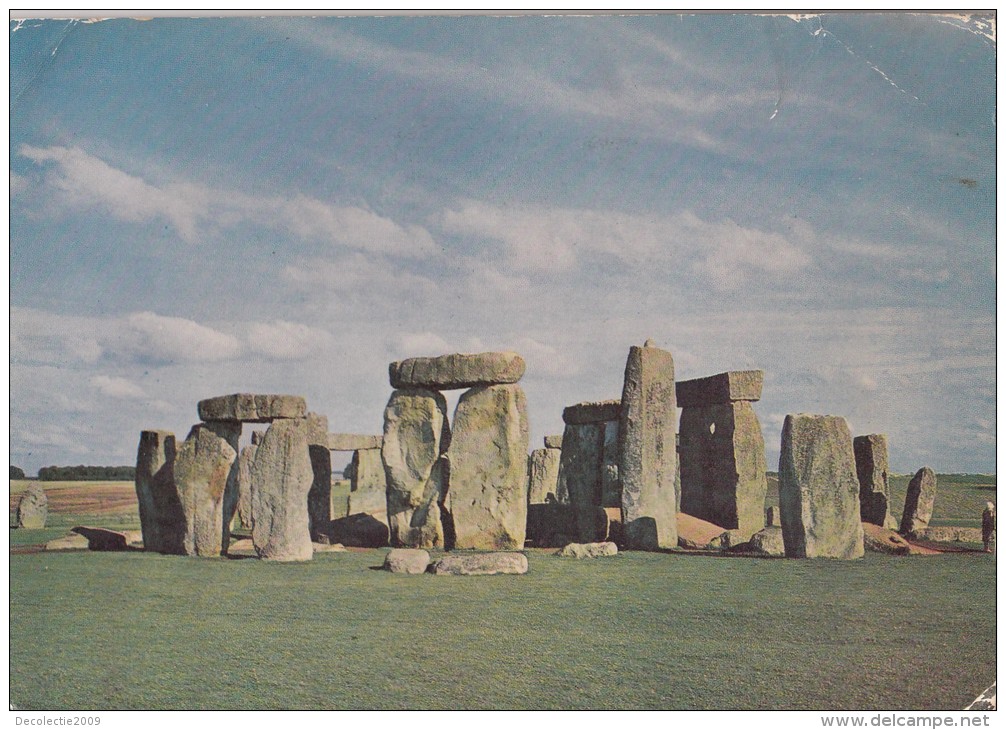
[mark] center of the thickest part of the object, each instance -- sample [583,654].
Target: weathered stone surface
[871,469]
[155,476]
[698,534]
[592,412]
[68,542]
[611,487]
[319,498]
[324,547]
[772,517]
[32,508]
[407,560]
[481,564]
[722,461]
[989,527]
[588,550]
[354,441]
[551,525]
[919,502]
[206,482]
[368,471]
[878,539]
[768,541]
[950,534]
[245,460]
[256,437]
[101,539]
[416,435]
[487,490]
[543,475]
[579,479]
[648,463]
[281,479]
[369,502]
[251,408]
[553,442]
[449,372]
[241,546]
[730,387]
[818,489]
[134,538]
[609,525]
[360,530]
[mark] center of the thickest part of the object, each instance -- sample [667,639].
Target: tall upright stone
[368,471]
[871,469]
[162,520]
[721,451]
[611,486]
[32,508]
[488,487]
[543,475]
[818,489]
[416,436]
[579,478]
[648,458]
[206,480]
[919,502]
[281,478]
[245,460]
[319,498]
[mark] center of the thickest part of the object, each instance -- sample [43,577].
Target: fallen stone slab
[698,534]
[487,489]
[648,465]
[353,441]
[767,541]
[729,387]
[919,502]
[360,530]
[450,372]
[32,508]
[481,564]
[407,560]
[553,442]
[819,489]
[324,547]
[950,534]
[68,542]
[102,539]
[588,550]
[878,539]
[591,412]
[252,408]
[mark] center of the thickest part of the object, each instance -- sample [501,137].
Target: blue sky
[207,206]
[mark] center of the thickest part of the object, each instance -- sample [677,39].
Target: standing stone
[648,462]
[722,459]
[553,442]
[818,489]
[416,435]
[543,475]
[367,471]
[989,527]
[611,487]
[32,508]
[579,478]
[449,372]
[871,468]
[319,498]
[206,480]
[281,479]
[245,460]
[919,502]
[161,518]
[487,492]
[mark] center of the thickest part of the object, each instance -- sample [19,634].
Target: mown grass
[637,631]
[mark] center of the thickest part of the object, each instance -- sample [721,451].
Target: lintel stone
[726,387]
[353,442]
[251,408]
[592,412]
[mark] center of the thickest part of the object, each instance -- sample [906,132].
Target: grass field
[641,630]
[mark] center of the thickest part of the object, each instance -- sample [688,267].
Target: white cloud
[114,387]
[152,336]
[282,340]
[84,182]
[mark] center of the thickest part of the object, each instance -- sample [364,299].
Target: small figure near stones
[989,527]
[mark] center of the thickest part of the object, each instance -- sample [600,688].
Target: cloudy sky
[208,206]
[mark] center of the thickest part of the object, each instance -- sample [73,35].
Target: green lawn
[640,630]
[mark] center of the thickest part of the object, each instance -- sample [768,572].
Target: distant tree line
[16,472]
[87,473]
